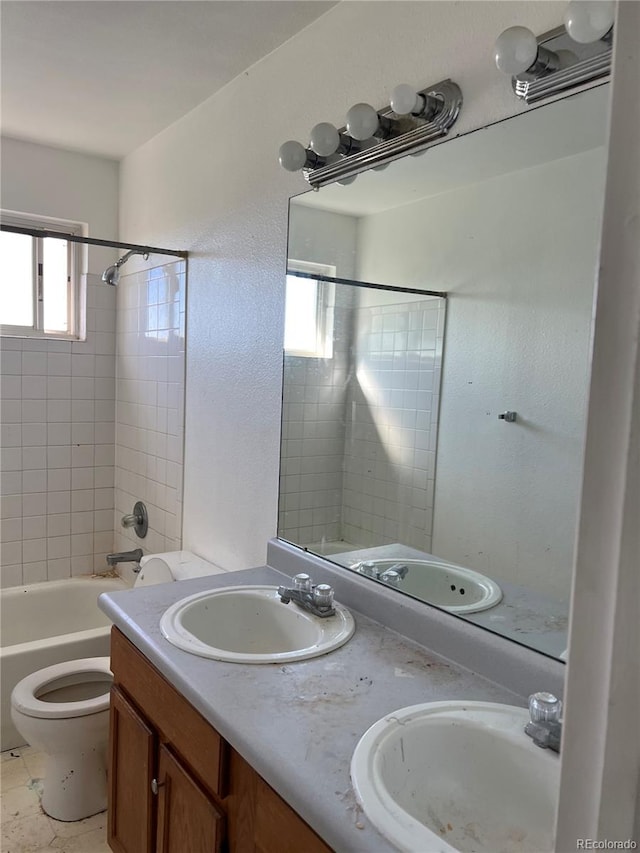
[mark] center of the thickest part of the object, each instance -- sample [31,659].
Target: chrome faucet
[125,557]
[401,569]
[544,726]
[393,575]
[317,599]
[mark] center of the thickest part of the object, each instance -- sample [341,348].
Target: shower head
[112,274]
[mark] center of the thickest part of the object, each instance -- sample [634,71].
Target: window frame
[75,263]
[325,304]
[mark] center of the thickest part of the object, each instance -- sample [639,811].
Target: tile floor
[24,826]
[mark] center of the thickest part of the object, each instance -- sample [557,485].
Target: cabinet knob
[155,786]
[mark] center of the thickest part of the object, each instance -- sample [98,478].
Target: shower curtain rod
[90,241]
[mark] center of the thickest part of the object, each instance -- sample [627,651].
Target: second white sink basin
[457,776]
[249,624]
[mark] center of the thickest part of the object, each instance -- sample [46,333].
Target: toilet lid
[76,677]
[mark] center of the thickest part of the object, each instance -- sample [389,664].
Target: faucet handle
[544,707]
[302,582]
[323,595]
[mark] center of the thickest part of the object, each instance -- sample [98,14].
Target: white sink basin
[449,776]
[249,624]
[450,587]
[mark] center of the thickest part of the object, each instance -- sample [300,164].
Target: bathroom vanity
[258,756]
[176,784]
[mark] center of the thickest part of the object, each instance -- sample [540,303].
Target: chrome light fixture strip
[587,70]
[413,140]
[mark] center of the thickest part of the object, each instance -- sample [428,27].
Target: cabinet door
[132,748]
[187,819]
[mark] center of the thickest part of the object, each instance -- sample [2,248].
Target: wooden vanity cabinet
[175,786]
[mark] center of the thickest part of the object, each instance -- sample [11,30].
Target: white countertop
[298,724]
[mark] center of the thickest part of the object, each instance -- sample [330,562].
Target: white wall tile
[59,364]
[34,481]
[34,550]
[11,363]
[34,505]
[58,569]
[10,575]
[33,458]
[59,433]
[11,482]
[58,388]
[11,387]
[34,434]
[34,572]
[12,529]
[58,502]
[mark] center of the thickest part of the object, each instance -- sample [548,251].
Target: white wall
[211,184]
[323,237]
[518,256]
[63,184]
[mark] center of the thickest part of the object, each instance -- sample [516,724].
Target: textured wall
[211,184]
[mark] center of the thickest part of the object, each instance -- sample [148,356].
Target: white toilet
[63,710]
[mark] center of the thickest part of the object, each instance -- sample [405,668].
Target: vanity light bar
[583,71]
[371,138]
[412,134]
[564,58]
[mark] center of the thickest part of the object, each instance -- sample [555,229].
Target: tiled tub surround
[150,368]
[359,431]
[57,448]
[313,435]
[392,427]
[328,702]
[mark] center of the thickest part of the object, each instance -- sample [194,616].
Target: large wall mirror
[436,368]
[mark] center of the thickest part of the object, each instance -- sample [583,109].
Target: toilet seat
[59,676]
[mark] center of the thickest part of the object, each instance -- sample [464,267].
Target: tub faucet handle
[138,519]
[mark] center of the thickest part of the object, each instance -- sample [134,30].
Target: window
[39,279]
[308,317]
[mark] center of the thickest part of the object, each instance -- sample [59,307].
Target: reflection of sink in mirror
[450,587]
[520,613]
[250,624]
[457,776]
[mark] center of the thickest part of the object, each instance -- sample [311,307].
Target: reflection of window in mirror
[309,303]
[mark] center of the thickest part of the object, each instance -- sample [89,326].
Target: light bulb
[588,21]
[292,156]
[325,139]
[516,50]
[405,100]
[362,121]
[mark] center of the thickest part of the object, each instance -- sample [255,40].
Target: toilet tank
[173,566]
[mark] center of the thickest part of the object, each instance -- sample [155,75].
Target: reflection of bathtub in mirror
[520,613]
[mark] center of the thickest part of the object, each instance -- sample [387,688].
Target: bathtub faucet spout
[125,557]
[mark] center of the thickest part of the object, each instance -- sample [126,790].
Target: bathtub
[46,623]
